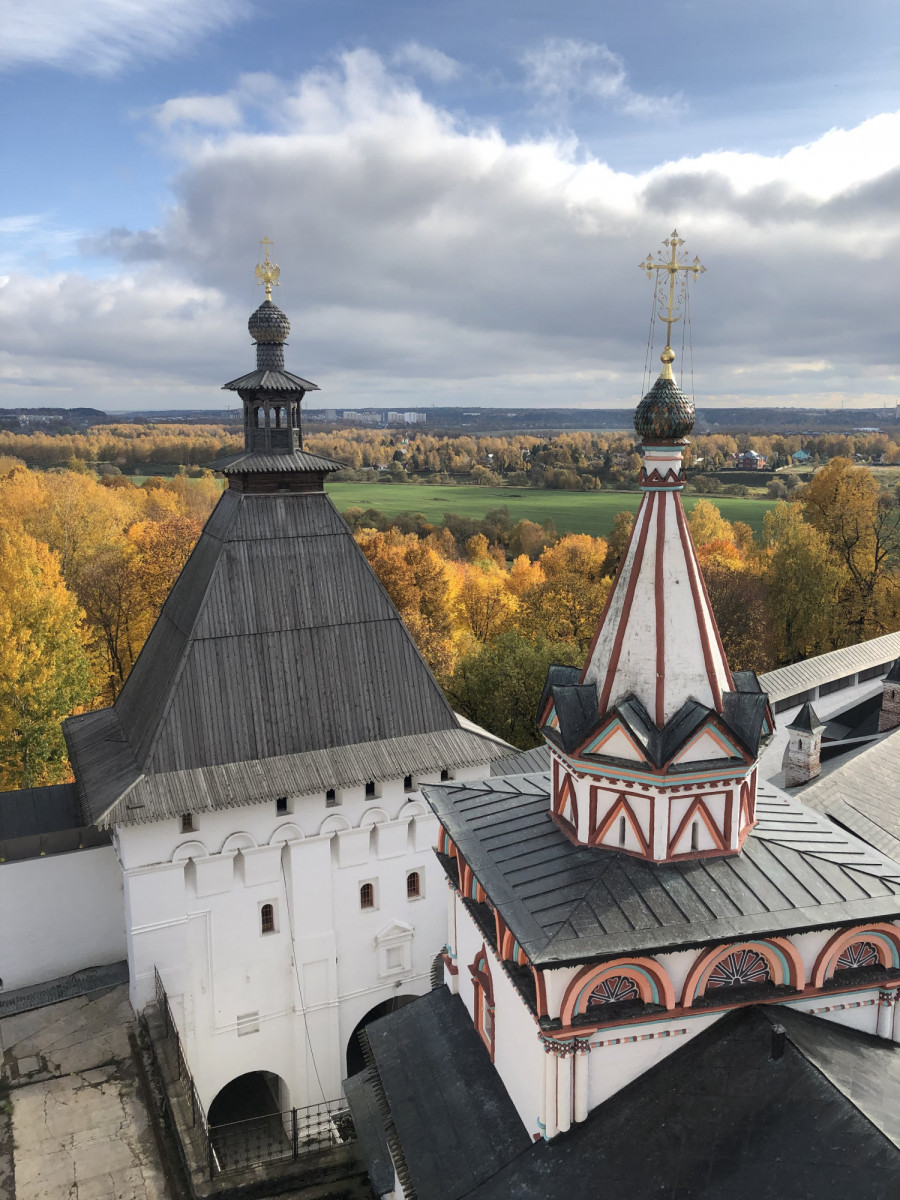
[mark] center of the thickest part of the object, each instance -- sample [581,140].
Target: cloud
[222,112]
[426,260]
[427,61]
[564,71]
[102,37]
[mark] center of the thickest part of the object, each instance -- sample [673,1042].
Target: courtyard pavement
[73,1124]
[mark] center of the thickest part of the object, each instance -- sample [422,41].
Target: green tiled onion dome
[665,413]
[269,324]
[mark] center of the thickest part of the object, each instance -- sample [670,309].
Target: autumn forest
[87,559]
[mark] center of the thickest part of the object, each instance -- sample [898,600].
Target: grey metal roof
[570,904]
[255,461]
[32,811]
[272,381]
[866,786]
[277,641]
[525,762]
[825,668]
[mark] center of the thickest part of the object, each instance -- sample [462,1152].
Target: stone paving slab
[79,1126]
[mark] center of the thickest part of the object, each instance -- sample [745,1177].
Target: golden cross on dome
[671,289]
[267,272]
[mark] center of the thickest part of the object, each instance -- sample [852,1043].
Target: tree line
[576,460]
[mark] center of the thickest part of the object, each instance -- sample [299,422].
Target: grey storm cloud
[425,260]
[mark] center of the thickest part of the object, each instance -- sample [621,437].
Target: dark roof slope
[455,1120]
[721,1118]
[572,904]
[277,640]
[33,811]
[806,720]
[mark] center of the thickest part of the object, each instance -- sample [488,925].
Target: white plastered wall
[60,914]
[287,1001]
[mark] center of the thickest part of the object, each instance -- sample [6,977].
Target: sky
[459,195]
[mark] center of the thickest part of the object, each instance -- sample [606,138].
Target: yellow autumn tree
[44,670]
[804,582]
[568,604]
[707,524]
[861,523]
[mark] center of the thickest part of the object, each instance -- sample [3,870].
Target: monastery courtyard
[73,1124]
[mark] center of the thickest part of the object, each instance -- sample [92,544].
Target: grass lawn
[572,512]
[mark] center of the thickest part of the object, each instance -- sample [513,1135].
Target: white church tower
[261,771]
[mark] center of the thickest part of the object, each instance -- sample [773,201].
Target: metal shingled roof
[825,668]
[268,380]
[277,641]
[567,903]
[866,785]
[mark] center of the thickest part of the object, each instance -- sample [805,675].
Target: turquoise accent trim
[785,966]
[716,734]
[729,771]
[621,970]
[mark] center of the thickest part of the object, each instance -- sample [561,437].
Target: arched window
[413,886]
[857,955]
[484,999]
[613,990]
[367,896]
[267,918]
[739,969]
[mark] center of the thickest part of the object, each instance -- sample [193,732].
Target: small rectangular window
[371,792]
[331,798]
[446,775]
[282,806]
[187,823]
[408,785]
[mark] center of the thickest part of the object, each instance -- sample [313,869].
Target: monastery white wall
[518,1052]
[60,914]
[286,1001]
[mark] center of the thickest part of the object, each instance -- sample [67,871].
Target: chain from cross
[673,266]
[267,272]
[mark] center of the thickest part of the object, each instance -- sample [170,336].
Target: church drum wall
[60,914]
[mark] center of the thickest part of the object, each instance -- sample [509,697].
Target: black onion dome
[269,324]
[665,413]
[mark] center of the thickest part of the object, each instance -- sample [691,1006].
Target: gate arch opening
[355,1060]
[256,1094]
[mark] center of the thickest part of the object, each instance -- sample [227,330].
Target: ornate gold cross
[671,288]
[267,272]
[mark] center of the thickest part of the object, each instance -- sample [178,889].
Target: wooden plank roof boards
[278,665]
[569,904]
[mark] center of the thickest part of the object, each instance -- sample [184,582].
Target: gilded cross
[267,272]
[671,286]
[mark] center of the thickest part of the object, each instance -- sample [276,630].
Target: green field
[571,512]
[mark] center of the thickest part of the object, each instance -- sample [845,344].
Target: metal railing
[273,1138]
[198,1116]
[280,1136]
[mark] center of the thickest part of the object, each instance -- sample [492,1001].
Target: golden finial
[267,272]
[671,292]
